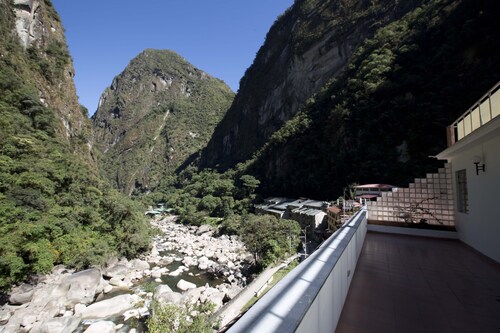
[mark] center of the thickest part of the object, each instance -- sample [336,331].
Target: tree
[269,238]
[250,183]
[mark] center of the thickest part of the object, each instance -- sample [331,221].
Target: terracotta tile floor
[415,284]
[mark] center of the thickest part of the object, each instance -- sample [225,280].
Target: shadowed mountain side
[310,43]
[383,117]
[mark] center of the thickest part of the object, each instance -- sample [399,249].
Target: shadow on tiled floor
[416,284]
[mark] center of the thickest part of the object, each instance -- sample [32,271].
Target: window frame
[462,194]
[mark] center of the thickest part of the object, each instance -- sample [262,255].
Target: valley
[341,92]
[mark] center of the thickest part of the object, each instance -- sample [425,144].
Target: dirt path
[232,309]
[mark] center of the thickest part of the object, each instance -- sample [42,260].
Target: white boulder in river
[82,286]
[23,295]
[57,325]
[185,285]
[101,327]
[164,295]
[111,307]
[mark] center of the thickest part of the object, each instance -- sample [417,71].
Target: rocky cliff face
[41,35]
[308,45]
[53,206]
[386,113]
[154,116]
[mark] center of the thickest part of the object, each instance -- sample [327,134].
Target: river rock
[162,288]
[212,295]
[42,296]
[164,294]
[22,316]
[57,325]
[108,289]
[134,313]
[222,259]
[185,285]
[203,229]
[102,327]
[193,295]
[203,263]
[233,291]
[28,320]
[52,309]
[79,308]
[5,316]
[165,261]
[82,286]
[170,298]
[111,307]
[177,272]
[156,274]
[10,328]
[189,261]
[23,295]
[118,270]
[209,253]
[139,265]
[117,282]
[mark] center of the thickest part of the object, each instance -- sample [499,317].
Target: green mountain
[53,206]
[310,43]
[380,117]
[157,113]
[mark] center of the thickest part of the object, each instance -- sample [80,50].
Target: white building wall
[480,226]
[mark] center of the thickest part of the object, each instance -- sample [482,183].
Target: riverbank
[187,265]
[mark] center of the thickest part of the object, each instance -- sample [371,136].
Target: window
[462,199]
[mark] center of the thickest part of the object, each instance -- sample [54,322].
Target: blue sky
[220,37]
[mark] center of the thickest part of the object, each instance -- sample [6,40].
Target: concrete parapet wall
[311,297]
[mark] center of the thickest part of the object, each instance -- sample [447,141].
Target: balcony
[420,284]
[482,112]
[400,284]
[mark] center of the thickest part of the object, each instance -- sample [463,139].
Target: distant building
[274,206]
[309,213]
[334,214]
[372,191]
[351,205]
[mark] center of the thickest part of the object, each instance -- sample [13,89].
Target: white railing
[311,297]
[483,111]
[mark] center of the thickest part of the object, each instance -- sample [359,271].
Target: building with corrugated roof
[309,213]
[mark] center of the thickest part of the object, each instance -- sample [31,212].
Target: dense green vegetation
[270,238]
[169,318]
[225,200]
[196,195]
[53,208]
[381,119]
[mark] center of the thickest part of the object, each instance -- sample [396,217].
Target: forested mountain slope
[381,119]
[53,206]
[157,113]
[310,43]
